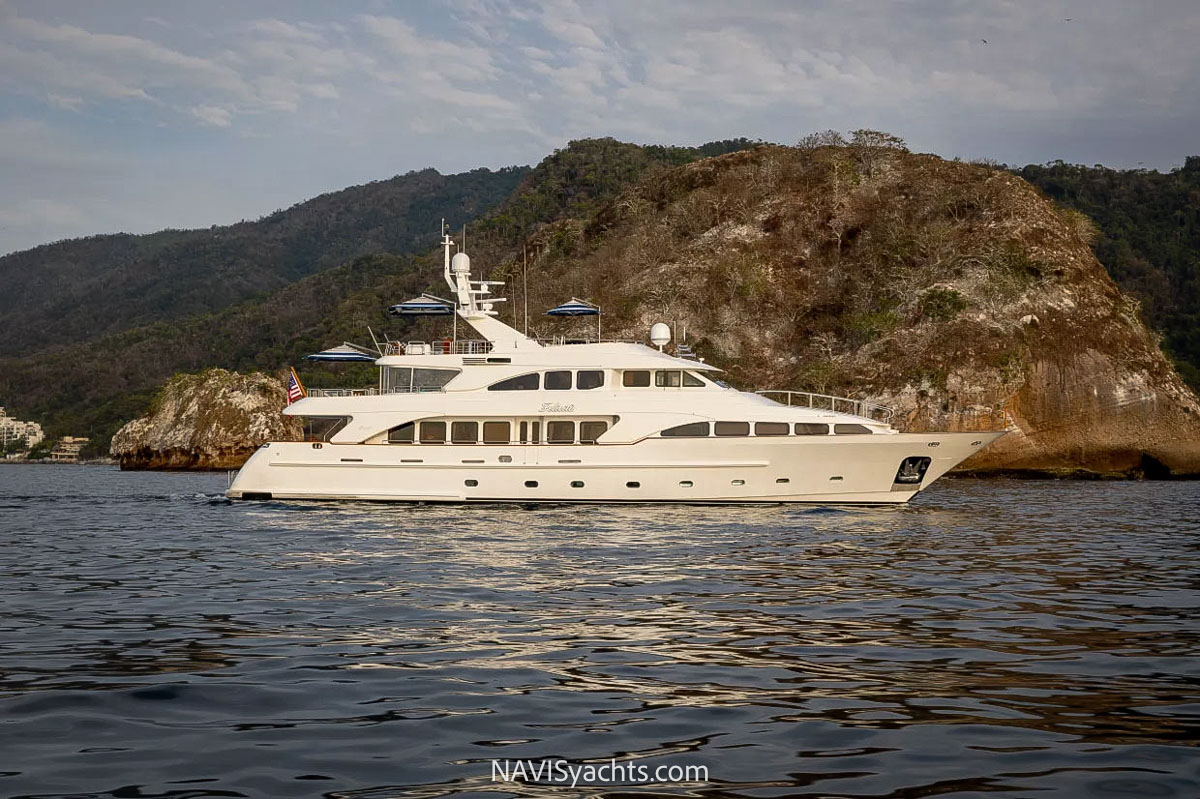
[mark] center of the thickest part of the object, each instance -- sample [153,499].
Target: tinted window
[495,432]
[433,432]
[558,381]
[811,429]
[397,378]
[667,379]
[635,379]
[560,432]
[732,428]
[323,428]
[464,432]
[519,383]
[590,431]
[693,430]
[429,379]
[691,381]
[402,434]
[850,429]
[529,432]
[589,379]
[770,428]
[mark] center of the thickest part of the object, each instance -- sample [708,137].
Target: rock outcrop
[212,420]
[955,293]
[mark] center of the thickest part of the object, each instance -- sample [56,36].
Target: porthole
[782,480]
[633,484]
[685,483]
[471,483]
[737,482]
[531,483]
[506,458]
[576,484]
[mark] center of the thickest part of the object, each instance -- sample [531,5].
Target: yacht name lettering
[556,407]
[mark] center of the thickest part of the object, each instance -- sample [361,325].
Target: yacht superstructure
[507,418]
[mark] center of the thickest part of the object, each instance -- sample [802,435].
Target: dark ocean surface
[992,639]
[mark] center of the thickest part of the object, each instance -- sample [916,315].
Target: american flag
[295,390]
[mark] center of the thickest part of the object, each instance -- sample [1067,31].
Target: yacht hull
[847,469]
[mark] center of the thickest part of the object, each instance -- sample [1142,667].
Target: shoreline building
[15,430]
[67,449]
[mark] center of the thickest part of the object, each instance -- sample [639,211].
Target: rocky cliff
[212,420]
[955,293]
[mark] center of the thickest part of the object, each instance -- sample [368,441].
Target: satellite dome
[460,264]
[660,334]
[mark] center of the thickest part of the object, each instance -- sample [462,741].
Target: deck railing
[807,399]
[369,392]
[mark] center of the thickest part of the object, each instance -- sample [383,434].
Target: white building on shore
[15,430]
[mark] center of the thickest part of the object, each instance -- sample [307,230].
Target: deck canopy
[346,353]
[424,305]
[576,307]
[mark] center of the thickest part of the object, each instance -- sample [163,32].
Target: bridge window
[590,431]
[433,432]
[560,432]
[464,433]
[770,428]
[732,428]
[558,381]
[692,430]
[495,432]
[527,382]
[850,429]
[323,428]
[636,379]
[668,379]
[402,434]
[811,429]
[432,379]
[589,379]
[691,381]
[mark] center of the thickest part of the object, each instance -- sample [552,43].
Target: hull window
[560,432]
[470,483]
[464,432]
[732,428]
[590,431]
[529,432]
[558,381]
[531,483]
[770,428]
[576,484]
[590,379]
[433,432]
[811,429]
[527,382]
[685,483]
[850,429]
[402,434]
[635,379]
[495,432]
[633,484]
[693,430]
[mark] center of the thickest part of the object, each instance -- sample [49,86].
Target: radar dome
[660,334]
[460,264]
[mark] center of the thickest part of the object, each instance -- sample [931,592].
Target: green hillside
[77,290]
[122,370]
[1149,241]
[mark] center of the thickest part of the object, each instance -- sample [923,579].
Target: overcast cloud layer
[134,116]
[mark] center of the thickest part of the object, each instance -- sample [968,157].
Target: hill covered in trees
[92,387]
[78,290]
[1148,239]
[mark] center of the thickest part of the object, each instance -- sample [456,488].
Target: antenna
[525,284]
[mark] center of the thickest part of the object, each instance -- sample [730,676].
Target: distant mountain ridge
[80,289]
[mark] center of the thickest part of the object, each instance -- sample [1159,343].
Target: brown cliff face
[212,420]
[957,294]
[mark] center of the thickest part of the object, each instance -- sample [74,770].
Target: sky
[133,115]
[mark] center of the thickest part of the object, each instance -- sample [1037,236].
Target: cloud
[65,102]
[212,115]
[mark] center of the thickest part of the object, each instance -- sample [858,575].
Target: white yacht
[507,418]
